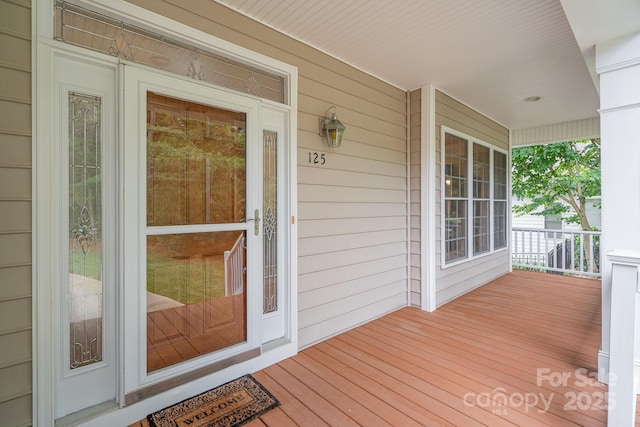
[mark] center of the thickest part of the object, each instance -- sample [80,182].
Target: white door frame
[137,83]
[44,196]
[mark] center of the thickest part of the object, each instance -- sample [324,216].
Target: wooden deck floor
[521,350]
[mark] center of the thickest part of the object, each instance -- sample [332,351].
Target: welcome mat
[232,404]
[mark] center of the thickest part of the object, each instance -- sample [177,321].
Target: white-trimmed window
[474,197]
[499,200]
[456,172]
[481,197]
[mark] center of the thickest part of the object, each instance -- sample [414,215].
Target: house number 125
[317,158]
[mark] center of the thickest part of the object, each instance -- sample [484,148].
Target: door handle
[256,221]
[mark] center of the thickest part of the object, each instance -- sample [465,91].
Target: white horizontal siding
[351,179]
[12,389]
[330,260]
[557,132]
[348,226]
[312,299]
[317,192]
[594,215]
[16,348]
[377,163]
[331,244]
[459,280]
[16,249]
[416,183]
[527,221]
[457,116]
[18,409]
[15,283]
[453,281]
[17,183]
[370,295]
[15,213]
[348,273]
[335,210]
[356,314]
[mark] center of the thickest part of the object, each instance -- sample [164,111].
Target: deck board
[503,340]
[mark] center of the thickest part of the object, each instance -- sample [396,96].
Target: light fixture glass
[332,129]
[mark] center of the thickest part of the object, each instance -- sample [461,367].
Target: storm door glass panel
[270,241]
[85,230]
[195,295]
[195,163]
[196,176]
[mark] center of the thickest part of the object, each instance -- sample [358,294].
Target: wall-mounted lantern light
[332,129]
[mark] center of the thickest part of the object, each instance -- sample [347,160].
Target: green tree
[565,171]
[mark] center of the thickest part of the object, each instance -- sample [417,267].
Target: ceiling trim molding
[557,132]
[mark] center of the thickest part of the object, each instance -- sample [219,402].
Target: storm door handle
[256,221]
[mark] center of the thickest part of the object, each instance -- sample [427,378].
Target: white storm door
[192,232]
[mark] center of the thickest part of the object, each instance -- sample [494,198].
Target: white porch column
[618,65]
[623,384]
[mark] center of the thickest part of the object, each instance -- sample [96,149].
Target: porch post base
[623,386]
[603,367]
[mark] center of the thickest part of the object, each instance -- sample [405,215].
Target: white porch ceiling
[489,54]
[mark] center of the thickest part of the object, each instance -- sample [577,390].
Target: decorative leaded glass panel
[85,229]
[81,27]
[270,149]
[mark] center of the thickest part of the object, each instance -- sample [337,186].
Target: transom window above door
[81,27]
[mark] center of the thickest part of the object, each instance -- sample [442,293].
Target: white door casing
[123,256]
[50,273]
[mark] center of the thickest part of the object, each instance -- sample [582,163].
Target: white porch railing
[234,268]
[556,251]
